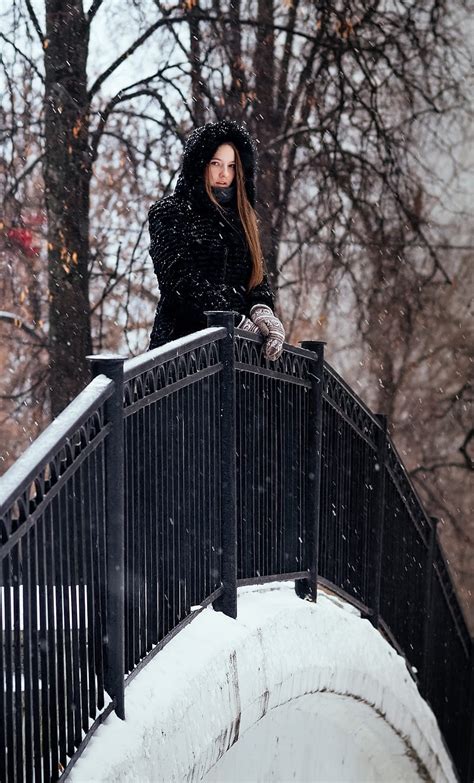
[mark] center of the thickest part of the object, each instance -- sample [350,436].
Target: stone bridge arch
[290,691]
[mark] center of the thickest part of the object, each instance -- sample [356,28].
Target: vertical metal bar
[209,422]
[134,527]
[8,671]
[227,603]
[83,510]
[156,517]
[309,587]
[428,610]
[17,561]
[168,518]
[3,651]
[3,648]
[27,663]
[66,581]
[129,614]
[99,568]
[470,751]
[175,517]
[35,671]
[91,467]
[73,523]
[378,515]
[50,587]
[162,521]
[142,530]
[150,563]
[112,367]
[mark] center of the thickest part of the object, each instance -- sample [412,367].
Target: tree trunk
[67,175]
[265,122]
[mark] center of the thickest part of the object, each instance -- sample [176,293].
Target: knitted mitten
[271,327]
[248,325]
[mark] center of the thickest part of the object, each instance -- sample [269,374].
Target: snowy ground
[290,691]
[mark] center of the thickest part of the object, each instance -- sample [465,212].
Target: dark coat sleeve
[261,294]
[174,266]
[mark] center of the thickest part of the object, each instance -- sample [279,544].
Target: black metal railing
[53,600]
[172,479]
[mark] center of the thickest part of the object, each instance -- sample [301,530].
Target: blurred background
[362,112]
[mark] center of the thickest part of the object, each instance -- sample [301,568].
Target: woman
[205,244]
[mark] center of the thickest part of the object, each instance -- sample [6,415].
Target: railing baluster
[16,561]
[227,602]
[35,672]
[52,648]
[81,592]
[8,670]
[112,367]
[470,754]
[4,735]
[377,523]
[90,585]
[428,610]
[73,522]
[309,587]
[28,711]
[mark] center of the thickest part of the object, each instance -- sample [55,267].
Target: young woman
[205,244]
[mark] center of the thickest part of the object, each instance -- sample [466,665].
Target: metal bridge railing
[171,479]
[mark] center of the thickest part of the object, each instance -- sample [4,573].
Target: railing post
[227,602]
[309,587]
[378,515]
[428,609]
[114,648]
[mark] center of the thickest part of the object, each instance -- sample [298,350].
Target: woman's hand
[272,329]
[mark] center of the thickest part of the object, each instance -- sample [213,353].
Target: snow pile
[288,691]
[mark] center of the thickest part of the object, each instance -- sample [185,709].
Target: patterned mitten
[271,327]
[248,325]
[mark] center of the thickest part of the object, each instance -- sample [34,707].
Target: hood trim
[198,151]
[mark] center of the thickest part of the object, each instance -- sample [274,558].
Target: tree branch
[34,19]
[131,49]
[93,10]
[22,54]
[18,321]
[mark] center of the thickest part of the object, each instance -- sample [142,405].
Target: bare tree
[71,121]
[334,92]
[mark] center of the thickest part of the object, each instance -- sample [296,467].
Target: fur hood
[198,151]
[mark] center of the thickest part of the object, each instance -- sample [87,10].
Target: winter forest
[362,115]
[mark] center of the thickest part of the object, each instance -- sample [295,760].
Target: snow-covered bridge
[291,690]
[171,482]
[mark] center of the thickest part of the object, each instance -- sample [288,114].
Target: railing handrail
[332,372]
[172,350]
[38,454]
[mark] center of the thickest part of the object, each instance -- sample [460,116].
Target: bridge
[182,479]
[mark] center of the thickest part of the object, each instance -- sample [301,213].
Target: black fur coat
[199,252]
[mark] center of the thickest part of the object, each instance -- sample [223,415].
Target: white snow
[289,691]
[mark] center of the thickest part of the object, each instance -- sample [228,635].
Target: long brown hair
[247,216]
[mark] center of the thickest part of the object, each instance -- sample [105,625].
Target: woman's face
[221,167]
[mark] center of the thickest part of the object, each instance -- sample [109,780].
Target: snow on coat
[200,253]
